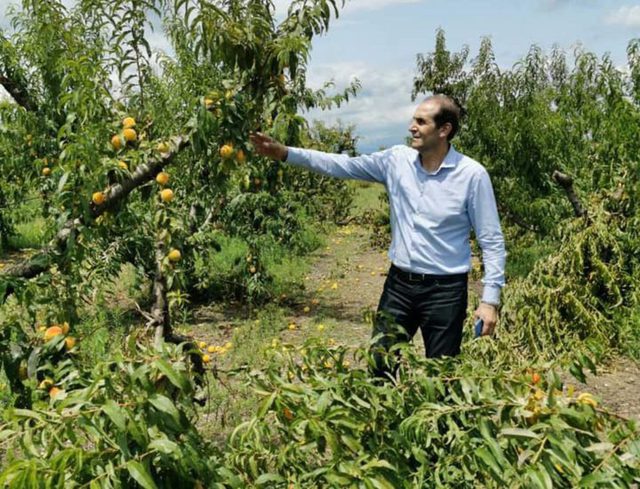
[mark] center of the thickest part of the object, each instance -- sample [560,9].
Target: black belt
[428,277]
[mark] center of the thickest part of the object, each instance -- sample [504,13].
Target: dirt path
[345,282]
[617,385]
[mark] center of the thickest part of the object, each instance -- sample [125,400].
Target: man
[436,196]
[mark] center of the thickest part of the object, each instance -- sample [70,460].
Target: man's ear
[446,129]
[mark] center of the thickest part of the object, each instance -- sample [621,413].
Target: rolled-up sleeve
[483,213]
[371,167]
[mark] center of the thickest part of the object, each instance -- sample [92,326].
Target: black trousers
[437,304]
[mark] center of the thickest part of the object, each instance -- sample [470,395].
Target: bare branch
[12,76]
[566,182]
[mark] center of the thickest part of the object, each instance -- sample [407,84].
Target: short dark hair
[450,111]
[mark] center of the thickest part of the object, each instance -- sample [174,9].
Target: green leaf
[576,371]
[593,479]
[519,433]
[230,478]
[264,478]
[541,479]
[165,405]
[175,377]
[337,480]
[33,362]
[360,401]
[115,414]
[324,401]
[353,444]
[600,447]
[29,446]
[485,455]
[266,405]
[164,445]
[26,413]
[380,482]
[140,474]
[63,181]
[381,464]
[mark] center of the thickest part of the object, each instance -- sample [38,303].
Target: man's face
[424,134]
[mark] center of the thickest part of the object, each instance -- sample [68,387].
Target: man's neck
[432,159]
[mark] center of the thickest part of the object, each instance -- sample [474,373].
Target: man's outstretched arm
[372,168]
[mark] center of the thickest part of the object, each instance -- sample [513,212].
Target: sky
[377,41]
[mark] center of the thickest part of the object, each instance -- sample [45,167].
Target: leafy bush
[444,423]
[321,423]
[585,290]
[130,420]
[545,113]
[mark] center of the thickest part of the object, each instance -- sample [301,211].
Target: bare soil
[617,385]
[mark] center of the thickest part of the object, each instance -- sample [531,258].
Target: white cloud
[357,5]
[383,102]
[5,21]
[350,5]
[627,16]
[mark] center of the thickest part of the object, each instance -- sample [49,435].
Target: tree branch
[41,261]
[566,182]
[12,77]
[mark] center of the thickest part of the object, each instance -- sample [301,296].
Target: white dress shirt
[432,213]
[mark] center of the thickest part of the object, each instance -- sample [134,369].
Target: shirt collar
[451,160]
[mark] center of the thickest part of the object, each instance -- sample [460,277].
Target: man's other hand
[266,146]
[489,315]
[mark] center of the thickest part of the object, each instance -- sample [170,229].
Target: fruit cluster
[128,135]
[49,335]
[206,350]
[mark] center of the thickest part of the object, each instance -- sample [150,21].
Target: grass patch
[229,399]
[102,331]
[367,196]
[32,234]
[288,272]
[30,227]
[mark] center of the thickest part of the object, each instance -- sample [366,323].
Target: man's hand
[489,315]
[265,146]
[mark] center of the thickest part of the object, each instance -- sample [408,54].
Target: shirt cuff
[491,294]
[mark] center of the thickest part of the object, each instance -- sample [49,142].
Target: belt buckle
[416,277]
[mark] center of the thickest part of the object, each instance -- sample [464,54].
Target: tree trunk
[160,317]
